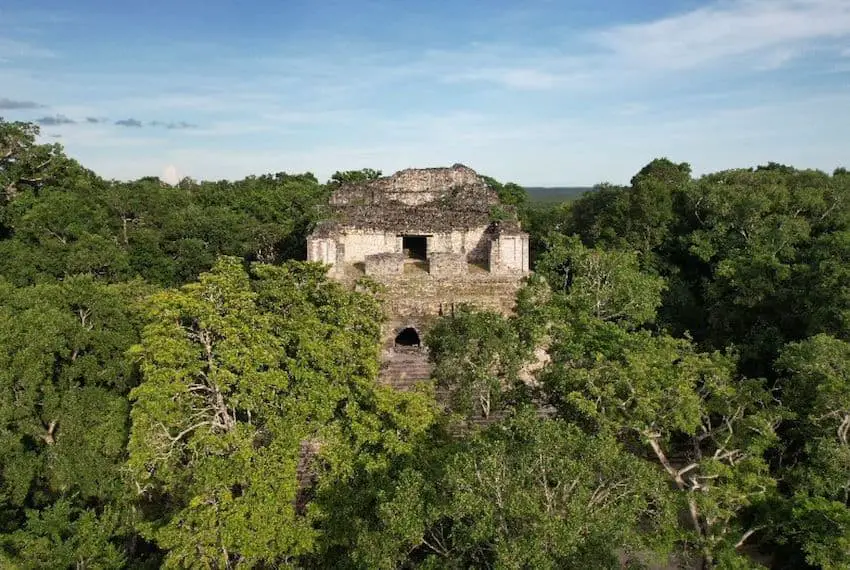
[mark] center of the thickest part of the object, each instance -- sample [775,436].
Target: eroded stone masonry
[435,238]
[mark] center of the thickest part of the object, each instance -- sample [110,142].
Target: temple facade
[434,238]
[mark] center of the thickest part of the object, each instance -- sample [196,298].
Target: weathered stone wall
[359,244]
[418,301]
[322,250]
[453,208]
[477,246]
[427,201]
[509,254]
[414,187]
[474,244]
[415,299]
[379,264]
[446,265]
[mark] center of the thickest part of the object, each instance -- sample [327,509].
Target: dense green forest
[179,390]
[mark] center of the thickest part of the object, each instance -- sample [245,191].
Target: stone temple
[434,238]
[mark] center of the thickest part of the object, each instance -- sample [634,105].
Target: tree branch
[747,535]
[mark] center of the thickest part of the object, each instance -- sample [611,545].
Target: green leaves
[57,219]
[510,194]
[63,420]
[678,403]
[65,536]
[353,176]
[243,375]
[605,285]
[753,260]
[816,385]
[542,494]
[477,357]
[686,339]
[524,493]
[705,429]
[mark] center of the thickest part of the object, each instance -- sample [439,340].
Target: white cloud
[527,78]
[742,34]
[726,34]
[726,30]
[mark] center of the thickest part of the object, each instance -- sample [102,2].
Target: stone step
[405,377]
[404,368]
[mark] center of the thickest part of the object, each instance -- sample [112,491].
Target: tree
[477,357]
[49,223]
[25,165]
[353,176]
[510,193]
[685,411]
[61,233]
[525,493]
[750,239]
[638,217]
[607,285]
[816,385]
[707,430]
[243,381]
[63,422]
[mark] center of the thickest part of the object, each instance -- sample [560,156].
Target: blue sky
[542,92]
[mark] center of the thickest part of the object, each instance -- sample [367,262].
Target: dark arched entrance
[408,337]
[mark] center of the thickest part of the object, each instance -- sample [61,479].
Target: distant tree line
[178,389]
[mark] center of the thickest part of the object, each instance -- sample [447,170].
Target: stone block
[447,265]
[385,264]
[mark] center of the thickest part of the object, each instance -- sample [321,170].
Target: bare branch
[747,535]
[48,436]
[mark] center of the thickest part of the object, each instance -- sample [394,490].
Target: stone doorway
[415,247]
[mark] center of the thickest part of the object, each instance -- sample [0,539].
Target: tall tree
[477,358]
[64,381]
[685,411]
[524,493]
[243,382]
[816,517]
[353,176]
[605,284]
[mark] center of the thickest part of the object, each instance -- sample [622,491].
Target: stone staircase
[404,368]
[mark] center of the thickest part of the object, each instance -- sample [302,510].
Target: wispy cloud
[55,121]
[14,105]
[524,78]
[727,29]
[133,123]
[750,35]
[172,126]
[61,119]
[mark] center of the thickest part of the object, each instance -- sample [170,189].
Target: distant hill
[552,194]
